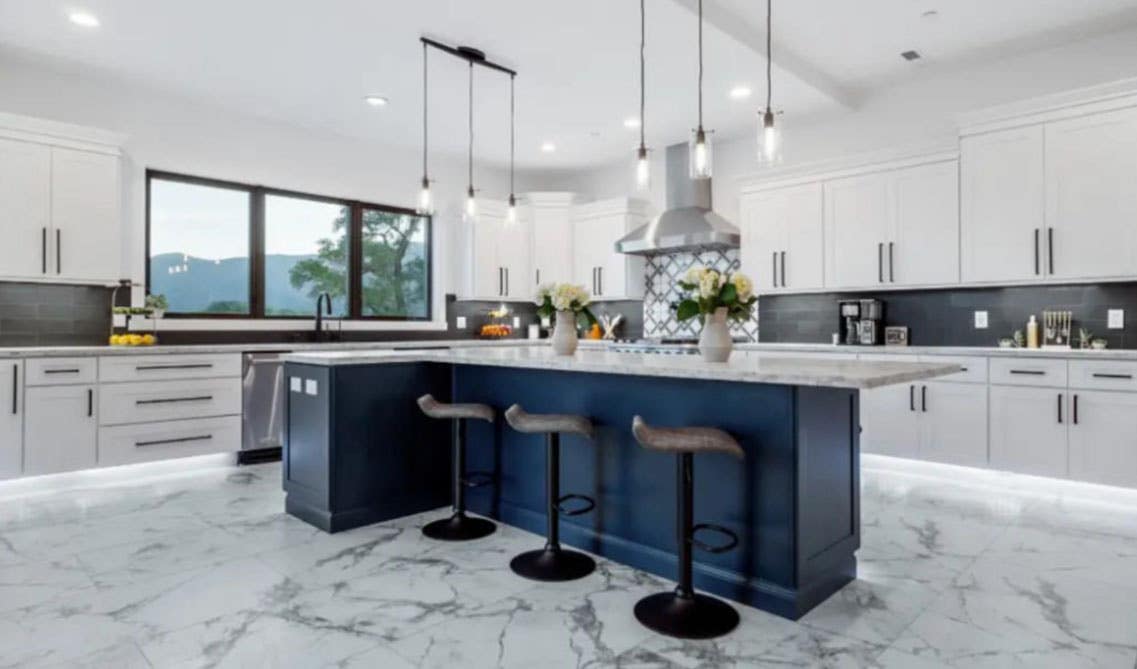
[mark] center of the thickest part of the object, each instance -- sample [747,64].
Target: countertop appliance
[262,407]
[861,322]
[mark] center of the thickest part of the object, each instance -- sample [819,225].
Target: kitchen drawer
[60,371]
[1047,372]
[974,367]
[1103,374]
[168,400]
[127,444]
[113,369]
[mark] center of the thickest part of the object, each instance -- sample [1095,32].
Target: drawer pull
[201,365]
[61,371]
[1104,375]
[172,400]
[181,440]
[15,388]
[1030,372]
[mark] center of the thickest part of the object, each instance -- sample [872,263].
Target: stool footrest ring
[589,504]
[477,479]
[718,529]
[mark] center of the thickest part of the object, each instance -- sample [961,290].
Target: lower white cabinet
[128,444]
[147,401]
[11,419]
[939,421]
[1029,430]
[1103,437]
[889,421]
[60,429]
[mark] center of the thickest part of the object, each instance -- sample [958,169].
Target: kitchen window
[228,250]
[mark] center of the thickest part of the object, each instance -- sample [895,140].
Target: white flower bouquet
[707,291]
[552,298]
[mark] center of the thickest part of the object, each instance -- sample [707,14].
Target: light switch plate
[980,320]
[311,387]
[294,384]
[1116,319]
[461,322]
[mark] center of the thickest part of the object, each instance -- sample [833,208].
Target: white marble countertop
[861,374]
[985,351]
[82,351]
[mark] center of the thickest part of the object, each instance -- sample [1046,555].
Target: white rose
[709,284]
[743,285]
[543,291]
[694,275]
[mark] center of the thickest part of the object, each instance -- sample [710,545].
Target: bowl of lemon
[133,340]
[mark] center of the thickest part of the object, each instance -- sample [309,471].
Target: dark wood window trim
[257,248]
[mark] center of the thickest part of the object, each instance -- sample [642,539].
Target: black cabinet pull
[1059,408]
[173,400]
[1050,247]
[507,281]
[600,280]
[61,371]
[1028,372]
[774,265]
[202,365]
[1105,375]
[924,399]
[783,269]
[58,252]
[911,398]
[1075,409]
[891,268]
[43,249]
[182,440]
[15,388]
[90,402]
[1037,260]
[880,262]
[538,276]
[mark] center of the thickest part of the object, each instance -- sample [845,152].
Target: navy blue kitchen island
[359,451]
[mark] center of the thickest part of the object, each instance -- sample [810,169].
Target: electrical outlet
[980,320]
[516,321]
[461,323]
[1116,319]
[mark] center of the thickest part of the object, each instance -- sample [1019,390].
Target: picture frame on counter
[896,335]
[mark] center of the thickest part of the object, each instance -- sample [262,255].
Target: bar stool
[459,527]
[684,613]
[553,563]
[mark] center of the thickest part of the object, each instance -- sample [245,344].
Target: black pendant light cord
[470,157]
[769,60]
[643,34]
[425,107]
[700,64]
[512,131]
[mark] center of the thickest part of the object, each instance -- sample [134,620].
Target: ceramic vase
[715,343]
[564,333]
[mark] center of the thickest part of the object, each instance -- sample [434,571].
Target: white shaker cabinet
[25,208]
[924,247]
[782,231]
[549,217]
[1091,201]
[605,273]
[1002,218]
[1103,437]
[1029,430]
[60,429]
[11,418]
[499,254]
[954,423]
[85,196]
[858,226]
[890,421]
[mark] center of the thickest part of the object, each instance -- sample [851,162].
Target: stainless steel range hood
[688,224]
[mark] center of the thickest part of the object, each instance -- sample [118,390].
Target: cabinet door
[954,423]
[25,201]
[85,210]
[858,226]
[890,421]
[1002,195]
[1091,201]
[552,245]
[763,237]
[11,419]
[513,247]
[1028,430]
[487,279]
[1103,438]
[60,429]
[925,243]
[589,244]
[804,221]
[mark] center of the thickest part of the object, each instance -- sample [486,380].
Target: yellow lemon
[135,340]
[149,340]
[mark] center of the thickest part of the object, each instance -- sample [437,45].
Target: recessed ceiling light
[910,55]
[84,19]
[740,92]
[376,100]
[548,147]
[631,122]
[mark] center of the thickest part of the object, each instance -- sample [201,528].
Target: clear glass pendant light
[699,148]
[643,167]
[769,131]
[511,211]
[471,202]
[425,198]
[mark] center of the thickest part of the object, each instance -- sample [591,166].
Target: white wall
[171,133]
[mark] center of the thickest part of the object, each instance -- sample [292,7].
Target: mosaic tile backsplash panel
[662,295]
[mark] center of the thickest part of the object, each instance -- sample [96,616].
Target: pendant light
[643,168]
[700,146]
[511,212]
[425,199]
[471,203]
[769,135]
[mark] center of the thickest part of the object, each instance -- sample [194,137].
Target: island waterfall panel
[359,451]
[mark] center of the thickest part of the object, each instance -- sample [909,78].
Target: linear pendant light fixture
[472,57]
[699,148]
[643,167]
[769,135]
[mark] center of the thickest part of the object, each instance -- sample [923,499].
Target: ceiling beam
[750,31]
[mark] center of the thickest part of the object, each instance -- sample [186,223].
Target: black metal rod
[684,523]
[553,491]
[457,428]
[911,398]
[445,48]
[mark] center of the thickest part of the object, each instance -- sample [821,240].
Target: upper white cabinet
[1091,202]
[500,255]
[550,220]
[11,418]
[603,272]
[896,228]
[782,247]
[1002,194]
[60,202]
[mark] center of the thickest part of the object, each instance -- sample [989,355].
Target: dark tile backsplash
[53,315]
[946,317]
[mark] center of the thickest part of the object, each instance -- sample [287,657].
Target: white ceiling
[310,63]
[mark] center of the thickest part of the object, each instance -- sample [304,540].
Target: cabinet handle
[538,276]
[924,399]
[61,371]
[202,365]
[593,280]
[1028,372]
[774,265]
[783,269]
[15,388]
[58,251]
[1104,375]
[500,282]
[891,269]
[507,281]
[600,278]
[90,402]
[911,398]
[182,440]
[1037,261]
[1059,408]
[172,400]
[1075,409]
[1050,247]
[880,262]
[43,249]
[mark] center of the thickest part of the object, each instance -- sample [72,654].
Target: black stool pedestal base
[552,565]
[459,527]
[697,617]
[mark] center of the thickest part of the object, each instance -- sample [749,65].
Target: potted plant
[157,305]
[570,304]
[713,297]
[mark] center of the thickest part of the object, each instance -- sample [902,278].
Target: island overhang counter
[358,451]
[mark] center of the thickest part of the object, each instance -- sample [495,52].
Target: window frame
[256,234]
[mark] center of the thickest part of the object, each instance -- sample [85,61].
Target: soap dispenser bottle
[1032,333]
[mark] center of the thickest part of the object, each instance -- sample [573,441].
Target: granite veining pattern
[202,569]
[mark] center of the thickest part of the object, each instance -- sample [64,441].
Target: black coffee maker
[862,322]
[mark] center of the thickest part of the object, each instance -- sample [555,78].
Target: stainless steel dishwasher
[262,407]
